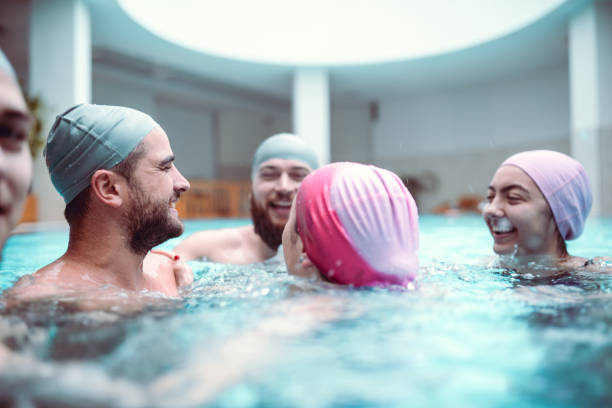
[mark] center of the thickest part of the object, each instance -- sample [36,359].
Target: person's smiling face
[275,186]
[518,215]
[15,159]
[155,187]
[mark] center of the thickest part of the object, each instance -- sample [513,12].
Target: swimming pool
[468,335]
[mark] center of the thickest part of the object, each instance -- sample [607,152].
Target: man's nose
[180,183]
[284,183]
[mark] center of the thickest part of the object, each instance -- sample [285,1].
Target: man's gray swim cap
[284,146]
[87,138]
[5,66]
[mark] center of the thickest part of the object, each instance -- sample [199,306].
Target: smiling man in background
[279,165]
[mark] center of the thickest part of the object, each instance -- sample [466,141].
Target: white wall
[107,90]
[213,133]
[506,113]
[190,131]
[351,134]
[60,75]
[240,132]
[458,135]
[604,60]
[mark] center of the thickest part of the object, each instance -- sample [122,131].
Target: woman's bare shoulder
[599,264]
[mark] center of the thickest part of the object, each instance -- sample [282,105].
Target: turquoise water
[468,335]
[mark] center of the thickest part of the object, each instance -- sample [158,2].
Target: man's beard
[148,223]
[269,232]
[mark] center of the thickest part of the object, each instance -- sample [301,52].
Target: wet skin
[296,259]
[157,177]
[15,159]
[275,186]
[518,215]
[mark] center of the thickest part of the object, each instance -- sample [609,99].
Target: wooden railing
[215,198]
[30,209]
[205,199]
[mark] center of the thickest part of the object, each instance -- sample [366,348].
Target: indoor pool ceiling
[382,48]
[339,32]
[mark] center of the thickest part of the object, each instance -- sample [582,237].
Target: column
[311,109]
[60,74]
[590,65]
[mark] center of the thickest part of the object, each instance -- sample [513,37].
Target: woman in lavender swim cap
[536,201]
[353,224]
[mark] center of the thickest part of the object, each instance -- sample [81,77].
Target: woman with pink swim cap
[536,201]
[353,224]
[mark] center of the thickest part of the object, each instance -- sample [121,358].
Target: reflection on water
[469,335]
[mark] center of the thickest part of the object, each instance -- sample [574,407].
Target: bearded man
[114,168]
[280,164]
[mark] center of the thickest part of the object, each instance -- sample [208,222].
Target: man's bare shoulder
[43,283]
[212,243]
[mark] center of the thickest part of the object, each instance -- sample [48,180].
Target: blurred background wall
[447,132]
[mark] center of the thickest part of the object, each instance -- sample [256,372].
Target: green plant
[35,139]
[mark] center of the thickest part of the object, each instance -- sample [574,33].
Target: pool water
[467,335]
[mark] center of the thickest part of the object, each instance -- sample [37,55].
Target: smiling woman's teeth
[502,225]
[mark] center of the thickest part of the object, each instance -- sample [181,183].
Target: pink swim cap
[359,225]
[563,182]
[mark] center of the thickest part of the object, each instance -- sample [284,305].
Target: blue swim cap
[284,146]
[6,66]
[87,138]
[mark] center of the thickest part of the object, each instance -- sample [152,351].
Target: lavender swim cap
[359,225]
[563,182]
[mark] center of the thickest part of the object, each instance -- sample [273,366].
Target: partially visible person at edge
[115,170]
[537,200]
[15,160]
[353,224]
[279,165]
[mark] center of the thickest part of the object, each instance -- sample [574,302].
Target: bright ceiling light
[333,32]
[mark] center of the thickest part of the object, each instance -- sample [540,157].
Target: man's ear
[109,187]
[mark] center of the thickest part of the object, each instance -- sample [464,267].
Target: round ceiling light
[333,32]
